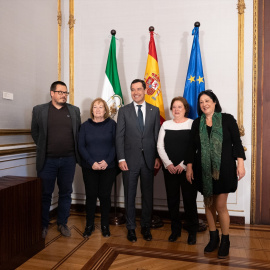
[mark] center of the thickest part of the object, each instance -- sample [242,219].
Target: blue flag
[195,79]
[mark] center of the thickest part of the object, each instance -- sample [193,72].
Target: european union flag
[195,79]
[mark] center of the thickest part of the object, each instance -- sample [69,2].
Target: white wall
[28,57]
[173,21]
[28,66]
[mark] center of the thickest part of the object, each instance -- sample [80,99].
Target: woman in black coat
[211,165]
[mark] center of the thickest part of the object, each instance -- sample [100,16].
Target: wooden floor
[250,249]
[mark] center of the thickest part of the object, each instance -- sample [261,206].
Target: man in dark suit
[137,131]
[54,129]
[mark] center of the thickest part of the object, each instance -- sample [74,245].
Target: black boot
[173,237]
[224,247]
[88,230]
[105,231]
[213,243]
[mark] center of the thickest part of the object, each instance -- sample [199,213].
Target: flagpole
[156,221]
[116,218]
[202,225]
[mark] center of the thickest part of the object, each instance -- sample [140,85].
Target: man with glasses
[54,129]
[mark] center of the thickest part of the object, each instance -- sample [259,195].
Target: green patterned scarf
[211,149]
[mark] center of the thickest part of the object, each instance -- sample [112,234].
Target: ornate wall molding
[254,111]
[59,20]
[16,148]
[16,151]
[9,132]
[241,6]
[71,23]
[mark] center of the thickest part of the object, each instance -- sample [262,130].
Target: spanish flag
[152,79]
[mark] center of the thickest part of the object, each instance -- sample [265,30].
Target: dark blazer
[231,149]
[39,130]
[130,141]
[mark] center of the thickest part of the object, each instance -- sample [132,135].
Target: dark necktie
[140,117]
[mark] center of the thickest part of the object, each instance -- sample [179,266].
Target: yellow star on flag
[200,79]
[191,79]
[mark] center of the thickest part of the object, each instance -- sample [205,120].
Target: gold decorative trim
[59,15]
[71,23]
[254,113]
[241,6]
[59,20]
[9,132]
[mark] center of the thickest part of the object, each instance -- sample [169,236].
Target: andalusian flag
[152,79]
[195,79]
[111,92]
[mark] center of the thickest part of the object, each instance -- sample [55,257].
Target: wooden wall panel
[262,215]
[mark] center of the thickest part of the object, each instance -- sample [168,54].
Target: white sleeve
[161,149]
[183,165]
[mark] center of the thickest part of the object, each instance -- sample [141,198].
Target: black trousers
[130,180]
[98,184]
[173,183]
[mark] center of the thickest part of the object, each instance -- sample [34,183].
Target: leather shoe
[173,237]
[88,230]
[131,236]
[192,238]
[105,231]
[145,231]
[64,230]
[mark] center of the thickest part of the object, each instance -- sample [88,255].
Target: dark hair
[210,94]
[54,84]
[185,103]
[138,80]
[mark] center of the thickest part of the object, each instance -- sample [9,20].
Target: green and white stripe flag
[111,92]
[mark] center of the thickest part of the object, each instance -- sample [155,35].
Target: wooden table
[20,220]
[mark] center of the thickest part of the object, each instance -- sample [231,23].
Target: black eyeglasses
[62,93]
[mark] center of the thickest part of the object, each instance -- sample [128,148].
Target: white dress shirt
[143,108]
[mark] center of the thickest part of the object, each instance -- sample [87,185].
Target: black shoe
[192,238]
[88,230]
[131,236]
[145,231]
[105,231]
[213,243]
[224,247]
[173,237]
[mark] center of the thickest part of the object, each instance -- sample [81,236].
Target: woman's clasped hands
[175,169]
[101,165]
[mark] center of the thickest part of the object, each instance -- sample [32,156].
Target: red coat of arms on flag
[152,84]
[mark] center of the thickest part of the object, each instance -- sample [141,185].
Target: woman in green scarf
[211,165]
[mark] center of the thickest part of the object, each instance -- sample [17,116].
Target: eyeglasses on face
[61,93]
